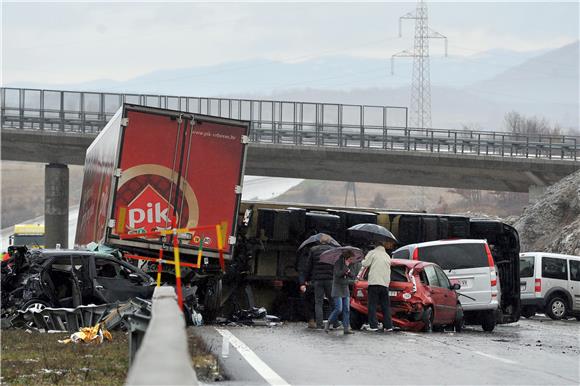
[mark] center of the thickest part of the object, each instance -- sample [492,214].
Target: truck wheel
[427,320]
[459,319]
[356,319]
[212,299]
[488,322]
[557,308]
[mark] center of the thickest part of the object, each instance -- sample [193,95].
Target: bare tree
[520,124]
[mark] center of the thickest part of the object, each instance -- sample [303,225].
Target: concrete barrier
[163,357]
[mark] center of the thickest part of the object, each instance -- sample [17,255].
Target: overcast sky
[80,41]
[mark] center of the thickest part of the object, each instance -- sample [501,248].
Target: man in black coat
[321,276]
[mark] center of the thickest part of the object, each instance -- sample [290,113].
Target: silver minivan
[469,263]
[550,283]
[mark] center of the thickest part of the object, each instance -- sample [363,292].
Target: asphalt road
[531,352]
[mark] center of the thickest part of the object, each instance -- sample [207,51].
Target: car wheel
[459,319]
[557,308]
[356,319]
[427,320]
[488,322]
[35,305]
[528,312]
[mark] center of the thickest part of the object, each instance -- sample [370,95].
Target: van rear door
[466,264]
[527,282]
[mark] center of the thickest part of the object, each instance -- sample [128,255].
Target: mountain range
[474,91]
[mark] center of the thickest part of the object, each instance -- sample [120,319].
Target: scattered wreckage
[68,289]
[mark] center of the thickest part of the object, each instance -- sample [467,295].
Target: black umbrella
[372,232]
[316,240]
[332,255]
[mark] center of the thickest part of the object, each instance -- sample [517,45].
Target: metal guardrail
[279,122]
[163,357]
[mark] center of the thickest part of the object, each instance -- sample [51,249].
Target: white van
[469,263]
[550,283]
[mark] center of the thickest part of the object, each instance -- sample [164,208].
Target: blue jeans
[341,305]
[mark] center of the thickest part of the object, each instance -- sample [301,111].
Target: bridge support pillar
[535,192]
[56,181]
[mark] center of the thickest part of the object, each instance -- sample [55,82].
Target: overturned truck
[152,170]
[264,268]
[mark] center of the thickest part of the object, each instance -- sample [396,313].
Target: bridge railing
[281,122]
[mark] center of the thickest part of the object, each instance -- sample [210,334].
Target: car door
[437,294]
[113,281]
[554,274]
[574,284]
[449,296]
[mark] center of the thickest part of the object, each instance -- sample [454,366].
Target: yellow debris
[95,334]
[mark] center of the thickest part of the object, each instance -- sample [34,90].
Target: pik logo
[148,211]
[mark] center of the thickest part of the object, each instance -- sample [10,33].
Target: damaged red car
[422,298]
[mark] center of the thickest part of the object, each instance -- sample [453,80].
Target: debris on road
[253,317]
[96,334]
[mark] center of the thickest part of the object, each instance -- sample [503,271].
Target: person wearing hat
[379,263]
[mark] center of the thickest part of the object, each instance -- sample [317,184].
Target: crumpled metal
[96,334]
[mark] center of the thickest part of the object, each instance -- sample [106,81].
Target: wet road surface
[539,351]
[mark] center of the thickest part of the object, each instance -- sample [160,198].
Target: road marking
[494,357]
[262,368]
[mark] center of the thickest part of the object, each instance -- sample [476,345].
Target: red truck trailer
[154,169]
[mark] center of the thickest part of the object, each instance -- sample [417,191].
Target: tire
[212,299]
[528,312]
[427,320]
[35,304]
[557,308]
[356,319]
[38,305]
[459,319]
[488,322]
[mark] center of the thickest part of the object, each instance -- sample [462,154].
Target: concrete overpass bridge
[301,140]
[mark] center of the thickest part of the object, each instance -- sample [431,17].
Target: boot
[326,326]
[311,324]
[348,331]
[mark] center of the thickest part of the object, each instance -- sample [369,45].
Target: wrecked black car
[56,278]
[68,278]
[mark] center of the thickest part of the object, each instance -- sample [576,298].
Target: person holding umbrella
[379,263]
[319,273]
[341,258]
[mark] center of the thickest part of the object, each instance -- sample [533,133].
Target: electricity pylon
[421,86]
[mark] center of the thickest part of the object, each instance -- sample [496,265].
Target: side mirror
[455,286]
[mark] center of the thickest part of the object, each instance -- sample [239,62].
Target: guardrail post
[41,126]
[61,112]
[362,127]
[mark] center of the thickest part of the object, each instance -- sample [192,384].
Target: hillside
[552,224]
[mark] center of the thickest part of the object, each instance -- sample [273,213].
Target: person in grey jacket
[341,292]
[379,263]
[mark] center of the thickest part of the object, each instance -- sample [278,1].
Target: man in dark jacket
[320,275]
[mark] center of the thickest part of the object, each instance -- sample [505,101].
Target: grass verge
[37,358]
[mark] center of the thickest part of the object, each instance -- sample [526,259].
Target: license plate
[393,293]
